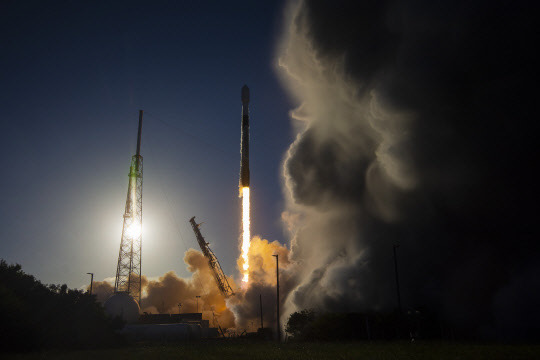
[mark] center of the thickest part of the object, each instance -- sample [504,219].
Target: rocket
[244,140]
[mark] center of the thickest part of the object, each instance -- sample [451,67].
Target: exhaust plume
[413,127]
[244,183]
[262,281]
[246,235]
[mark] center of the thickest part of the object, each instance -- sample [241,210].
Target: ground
[223,350]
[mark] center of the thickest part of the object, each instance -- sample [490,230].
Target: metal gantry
[128,271]
[219,275]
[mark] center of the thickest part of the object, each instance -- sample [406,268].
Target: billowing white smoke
[342,169]
[399,141]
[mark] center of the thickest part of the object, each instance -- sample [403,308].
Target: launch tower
[219,275]
[128,271]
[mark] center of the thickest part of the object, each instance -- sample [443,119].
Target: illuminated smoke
[262,282]
[414,126]
[164,294]
[102,289]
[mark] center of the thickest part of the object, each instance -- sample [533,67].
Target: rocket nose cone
[245,94]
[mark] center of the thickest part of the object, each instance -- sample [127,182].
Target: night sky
[75,74]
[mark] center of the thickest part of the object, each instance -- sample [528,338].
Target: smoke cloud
[240,312]
[102,289]
[414,127]
[245,304]
[163,295]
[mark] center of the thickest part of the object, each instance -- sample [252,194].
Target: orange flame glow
[246,235]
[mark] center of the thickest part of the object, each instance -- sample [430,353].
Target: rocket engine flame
[244,183]
[246,235]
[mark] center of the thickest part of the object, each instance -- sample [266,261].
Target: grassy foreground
[223,350]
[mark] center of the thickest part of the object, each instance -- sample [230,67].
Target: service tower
[128,271]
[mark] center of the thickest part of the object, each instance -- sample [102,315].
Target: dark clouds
[419,124]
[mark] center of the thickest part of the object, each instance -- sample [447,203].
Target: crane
[219,275]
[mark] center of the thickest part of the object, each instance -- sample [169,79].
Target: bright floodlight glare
[133,231]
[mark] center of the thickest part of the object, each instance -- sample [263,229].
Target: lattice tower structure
[219,275]
[128,270]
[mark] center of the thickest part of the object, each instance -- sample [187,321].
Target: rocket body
[244,150]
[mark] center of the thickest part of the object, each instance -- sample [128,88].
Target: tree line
[35,316]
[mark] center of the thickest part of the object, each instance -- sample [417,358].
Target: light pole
[197,296]
[260,303]
[91,281]
[179,307]
[277,298]
[395,246]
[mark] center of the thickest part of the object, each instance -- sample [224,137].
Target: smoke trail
[412,129]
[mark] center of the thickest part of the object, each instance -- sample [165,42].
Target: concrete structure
[188,318]
[170,327]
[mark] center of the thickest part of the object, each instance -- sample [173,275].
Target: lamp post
[260,303]
[395,246]
[91,281]
[277,297]
[197,296]
[179,307]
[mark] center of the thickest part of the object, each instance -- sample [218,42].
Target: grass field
[224,350]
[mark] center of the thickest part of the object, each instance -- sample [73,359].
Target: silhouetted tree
[35,316]
[299,321]
[327,326]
